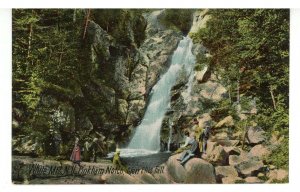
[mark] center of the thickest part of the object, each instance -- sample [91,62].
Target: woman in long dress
[75,156]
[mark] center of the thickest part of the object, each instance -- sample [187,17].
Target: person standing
[204,137]
[117,161]
[75,156]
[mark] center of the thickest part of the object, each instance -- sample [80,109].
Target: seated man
[193,151]
[185,146]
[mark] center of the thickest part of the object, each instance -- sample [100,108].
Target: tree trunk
[60,55]
[273,98]
[29,40]
[238,92]
[229,93]
[74,16]
[86,22]
[244,134]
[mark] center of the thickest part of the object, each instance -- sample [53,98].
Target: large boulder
[145,178]
[250,168]
[199,171]
[236,159]
[260,151]
[218,156]
[255,135]
[213,91]
[210,146]
[175,169]
[194,171]
[164,177]
[225,171]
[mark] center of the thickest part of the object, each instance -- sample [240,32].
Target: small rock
[236,159]
[232,180]
[277,175]
[260,151]
[228,143]
[226,122]
[210,146]
[225,171]
[256,135]
[232,150]
[261,175]
[253,180]
[272,167]
[237,135]
[220,136]
[213,91]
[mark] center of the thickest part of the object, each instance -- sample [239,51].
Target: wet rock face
[96,35]
[116,78]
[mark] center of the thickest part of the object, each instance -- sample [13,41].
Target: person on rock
[193,151]
[204,138]
[75,156]
[186,143]
[196,124]
[117,161]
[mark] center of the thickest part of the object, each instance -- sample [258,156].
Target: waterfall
[189,68]
[146,139]
[170,134]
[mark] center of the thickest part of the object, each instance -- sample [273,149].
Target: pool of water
[144,160]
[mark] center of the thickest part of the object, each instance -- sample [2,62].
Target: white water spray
[147,136]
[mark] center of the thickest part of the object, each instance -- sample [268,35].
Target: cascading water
[146,139]
[170,134]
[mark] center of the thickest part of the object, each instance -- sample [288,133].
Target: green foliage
[202,61]
[127,26]
[280,156]
[180,19]
[45,48]
[249,50]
